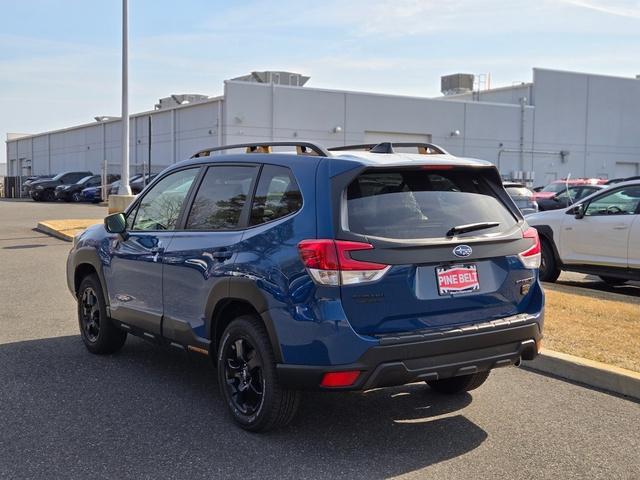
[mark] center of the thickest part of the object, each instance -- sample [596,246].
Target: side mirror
[578,211]
[116,223]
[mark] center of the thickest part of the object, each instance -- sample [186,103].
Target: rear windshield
[555,187]
[403,204]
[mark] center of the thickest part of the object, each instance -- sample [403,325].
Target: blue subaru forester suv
[342,269]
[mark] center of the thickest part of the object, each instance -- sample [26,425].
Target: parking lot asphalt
[152,413]
[591,282]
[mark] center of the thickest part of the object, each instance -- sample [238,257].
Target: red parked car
[559,185]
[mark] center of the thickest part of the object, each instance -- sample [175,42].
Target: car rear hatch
[443,245]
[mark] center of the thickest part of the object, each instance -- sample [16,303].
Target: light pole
[124,188]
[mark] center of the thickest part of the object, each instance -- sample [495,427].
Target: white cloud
[621,8]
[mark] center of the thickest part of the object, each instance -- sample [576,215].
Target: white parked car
[600,235]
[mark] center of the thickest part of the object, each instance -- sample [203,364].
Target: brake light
[531,257]
[329,262]
[340,379]
[436,167]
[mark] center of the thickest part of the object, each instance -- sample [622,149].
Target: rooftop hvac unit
[276,77]
[456,83]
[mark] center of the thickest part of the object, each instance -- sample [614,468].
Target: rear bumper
[430,356]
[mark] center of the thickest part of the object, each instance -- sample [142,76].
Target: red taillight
[348,263]
[531,257]
[329,262]
[339,379]
[319,254]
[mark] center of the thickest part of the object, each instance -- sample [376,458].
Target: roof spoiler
[302,148]
[388,147]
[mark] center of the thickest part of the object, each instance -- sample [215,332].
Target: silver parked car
[522,197]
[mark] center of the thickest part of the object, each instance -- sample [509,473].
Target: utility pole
[124,188]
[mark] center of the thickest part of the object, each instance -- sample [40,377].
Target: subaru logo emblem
[462,251]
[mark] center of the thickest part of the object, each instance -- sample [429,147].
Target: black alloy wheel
[248,379]
[243,375]
[98,332]
[76,197]
[90,314]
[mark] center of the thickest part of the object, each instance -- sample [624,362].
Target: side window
[566,194]
[586,191]
[160,207]
[277,195]
[221,198]
[621,202]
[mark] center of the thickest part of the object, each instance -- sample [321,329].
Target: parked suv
[329,270]
[73,192]
[44,190]
[26,185]
[600,235]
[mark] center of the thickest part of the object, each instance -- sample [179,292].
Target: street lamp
[124,188]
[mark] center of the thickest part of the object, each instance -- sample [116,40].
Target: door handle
[620,227]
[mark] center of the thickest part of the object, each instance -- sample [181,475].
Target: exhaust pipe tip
[528,350]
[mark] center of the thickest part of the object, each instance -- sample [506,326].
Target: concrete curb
[66,229]
[589,372]
[44,227]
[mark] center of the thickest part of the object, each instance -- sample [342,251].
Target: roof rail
[302,148]
[387,147]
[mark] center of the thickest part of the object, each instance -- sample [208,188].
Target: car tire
[248,379]
[98,332]
[48,196]
[612,281]
[455,385]
[76,197]
[549,271]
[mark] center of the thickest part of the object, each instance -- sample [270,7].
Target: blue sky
[60,60]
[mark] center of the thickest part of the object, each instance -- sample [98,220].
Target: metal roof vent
[276,77]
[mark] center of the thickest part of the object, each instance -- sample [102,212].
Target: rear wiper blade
[471,227]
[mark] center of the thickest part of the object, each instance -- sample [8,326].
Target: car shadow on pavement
[586,288]
[155,413]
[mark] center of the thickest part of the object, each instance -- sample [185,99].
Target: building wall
[264,112]
[175,135]
[595,118]
[592,118]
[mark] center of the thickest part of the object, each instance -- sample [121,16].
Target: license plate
[454,279]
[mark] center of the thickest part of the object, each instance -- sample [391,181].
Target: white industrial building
[559,124]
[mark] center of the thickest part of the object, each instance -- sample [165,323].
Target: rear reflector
[339,379]
[531,257]
[329,262]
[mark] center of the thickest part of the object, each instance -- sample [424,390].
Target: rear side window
[403,204]
[277,195]
[221,198]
